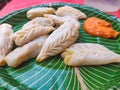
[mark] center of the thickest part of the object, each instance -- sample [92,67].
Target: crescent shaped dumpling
[60,39]
[6,42]
[41,21]
[89,54]
[58,20]
[26,52]
[39,12]
[71,12]
[28,34]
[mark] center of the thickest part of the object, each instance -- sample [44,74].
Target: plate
[53,74]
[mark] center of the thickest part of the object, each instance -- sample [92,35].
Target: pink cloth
[117,13]
[19,4]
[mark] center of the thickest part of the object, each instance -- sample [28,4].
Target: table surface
[14,5]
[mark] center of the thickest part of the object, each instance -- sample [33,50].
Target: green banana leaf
[53,74]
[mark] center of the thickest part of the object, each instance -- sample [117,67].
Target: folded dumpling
[58,20]
[60,39]
[71,12]
[28,34]
[41,21]
[26,52]
[6,42]
[89,54]
[39,12]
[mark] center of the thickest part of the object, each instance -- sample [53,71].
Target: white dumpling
[28,34]
[60,39]
[26,52]
[70,11]
[6,42]
[58,20]
[89,54]
[39,12]
[41,21]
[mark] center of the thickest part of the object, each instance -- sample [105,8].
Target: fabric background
[14,5]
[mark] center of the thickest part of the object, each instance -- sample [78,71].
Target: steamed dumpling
[6,42]
[26,52]
[28,34]
[58,20]
[89,54]
[41,21]
[71,12]
[60,39]
[39,12]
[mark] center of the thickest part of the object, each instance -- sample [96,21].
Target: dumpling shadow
[26,63]
[55,62]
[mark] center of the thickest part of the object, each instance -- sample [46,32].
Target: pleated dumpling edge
[60,39]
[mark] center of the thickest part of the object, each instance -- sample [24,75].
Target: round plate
[53,74]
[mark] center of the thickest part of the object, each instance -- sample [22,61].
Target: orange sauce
[98,27]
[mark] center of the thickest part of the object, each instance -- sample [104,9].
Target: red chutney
[98,27]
